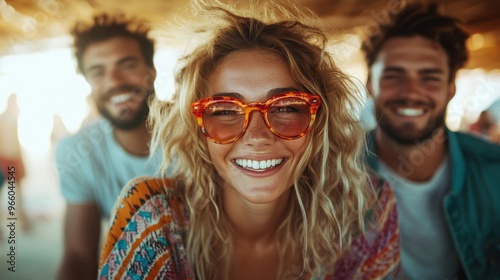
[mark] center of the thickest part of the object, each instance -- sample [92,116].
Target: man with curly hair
[447,184]
[115,56]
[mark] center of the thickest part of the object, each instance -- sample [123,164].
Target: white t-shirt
[93,167]
[427,250]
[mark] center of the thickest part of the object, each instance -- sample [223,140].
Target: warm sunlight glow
[165,61]
[476,42]
[476,90]
[47,84]
[52,98]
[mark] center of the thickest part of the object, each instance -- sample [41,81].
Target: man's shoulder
[89,140]
[85,155]
[93,132]
[473,147]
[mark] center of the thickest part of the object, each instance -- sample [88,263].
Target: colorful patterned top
[146,238]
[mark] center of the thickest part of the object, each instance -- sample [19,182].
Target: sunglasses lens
[223,120]
[289,117]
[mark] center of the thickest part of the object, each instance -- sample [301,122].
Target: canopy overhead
[30,25]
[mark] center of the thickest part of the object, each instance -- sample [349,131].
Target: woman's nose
[257,132]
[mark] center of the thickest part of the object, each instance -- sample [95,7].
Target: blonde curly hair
[330,193]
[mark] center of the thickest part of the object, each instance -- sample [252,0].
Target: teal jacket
[2,178]
[472,207]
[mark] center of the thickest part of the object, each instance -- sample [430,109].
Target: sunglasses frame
[198,109]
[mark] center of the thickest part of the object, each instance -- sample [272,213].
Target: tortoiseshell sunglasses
[224,119]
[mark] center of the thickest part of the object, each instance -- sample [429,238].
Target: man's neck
[135,141]
[416,162]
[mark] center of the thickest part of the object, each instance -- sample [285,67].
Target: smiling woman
[265,162]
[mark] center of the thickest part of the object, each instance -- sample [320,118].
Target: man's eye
[95,74]
[431,79]
[390,77]
[129,65]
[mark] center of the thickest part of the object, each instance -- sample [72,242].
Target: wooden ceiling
[31,25]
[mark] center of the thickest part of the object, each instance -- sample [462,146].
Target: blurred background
[42,92]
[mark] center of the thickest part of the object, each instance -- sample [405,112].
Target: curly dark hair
[106,26]
[419,19]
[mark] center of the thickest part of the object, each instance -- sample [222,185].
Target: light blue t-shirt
[93,167]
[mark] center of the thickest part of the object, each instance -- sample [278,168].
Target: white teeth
[410,112]
[121,98]
[258,165]
[255,164]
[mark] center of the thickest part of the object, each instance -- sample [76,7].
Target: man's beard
[408,134]
[125,123]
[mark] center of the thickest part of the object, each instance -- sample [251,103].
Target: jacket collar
[457,162]
[454,153]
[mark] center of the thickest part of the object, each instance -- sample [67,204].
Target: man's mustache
[138,92]
[404,102]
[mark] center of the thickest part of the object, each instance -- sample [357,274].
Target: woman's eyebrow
[229,94]
[275,91]
[270,93]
